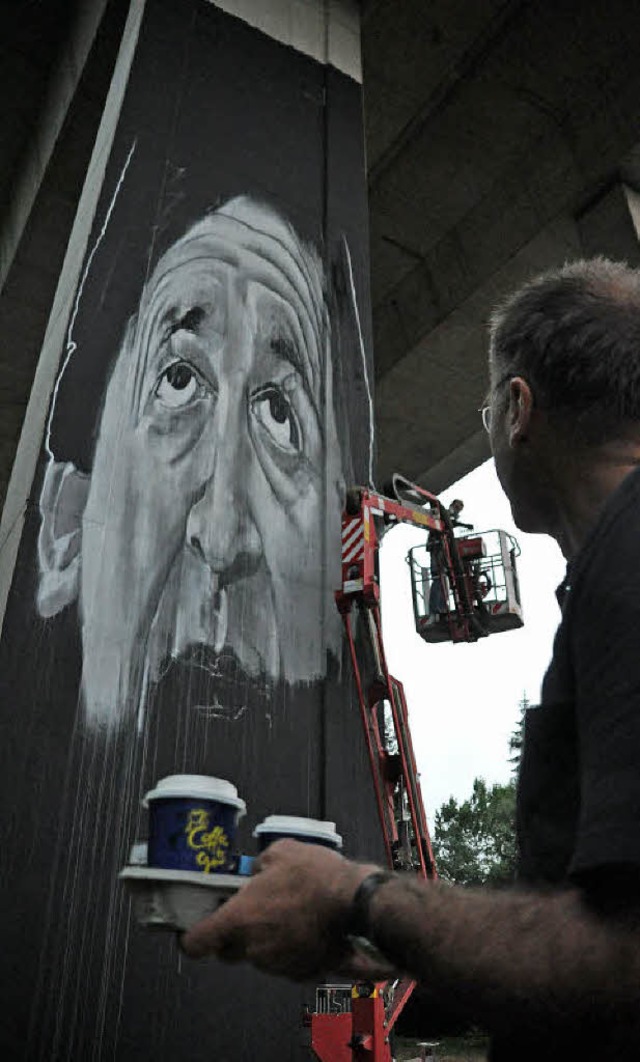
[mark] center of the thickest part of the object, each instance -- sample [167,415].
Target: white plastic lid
[198,786]
[295,826]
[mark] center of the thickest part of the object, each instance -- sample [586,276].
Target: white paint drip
[71,345]
[142,700]
[221,621]
[365,370]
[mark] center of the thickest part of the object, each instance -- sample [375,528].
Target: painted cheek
[293,543]
[171,437]
[300,598]
[294,467]
[160,498]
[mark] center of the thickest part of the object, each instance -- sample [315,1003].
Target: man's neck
[586,485]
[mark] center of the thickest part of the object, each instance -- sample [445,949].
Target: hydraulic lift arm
[357,1029]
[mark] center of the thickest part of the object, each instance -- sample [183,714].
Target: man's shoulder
[622,506]
[614,543]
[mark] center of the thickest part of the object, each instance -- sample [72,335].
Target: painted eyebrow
[187,322]
[287,350]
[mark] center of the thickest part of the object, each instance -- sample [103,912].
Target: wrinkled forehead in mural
[208,527]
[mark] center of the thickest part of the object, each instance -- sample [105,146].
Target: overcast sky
[463,699]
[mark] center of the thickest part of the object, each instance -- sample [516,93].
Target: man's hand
[289,919]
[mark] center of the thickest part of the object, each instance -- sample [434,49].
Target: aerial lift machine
[464,587]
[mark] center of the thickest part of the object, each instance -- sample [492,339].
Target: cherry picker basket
[488,563]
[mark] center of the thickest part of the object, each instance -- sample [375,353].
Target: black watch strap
[359,924]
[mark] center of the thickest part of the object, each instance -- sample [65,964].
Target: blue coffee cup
[192,823]
[310,831]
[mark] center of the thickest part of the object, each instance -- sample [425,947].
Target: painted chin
[218,649]
[265,642]
[236,619]
[216,685]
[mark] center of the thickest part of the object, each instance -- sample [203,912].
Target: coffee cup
[310,831]
[192,823]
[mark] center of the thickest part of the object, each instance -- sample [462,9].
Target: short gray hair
[574,335]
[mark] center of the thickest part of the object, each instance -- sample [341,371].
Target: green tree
[474,842]
[517,737]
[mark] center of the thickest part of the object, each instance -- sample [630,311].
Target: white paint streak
[71,345]
[365,366]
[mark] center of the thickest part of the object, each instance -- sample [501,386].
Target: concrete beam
[609,225]
[326,30]
[432,395]
[517,169]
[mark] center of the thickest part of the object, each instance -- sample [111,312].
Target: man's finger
[362,967]
[275,852]
[220,933]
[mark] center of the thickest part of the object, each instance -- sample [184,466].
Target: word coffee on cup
[312,831]
[192,823]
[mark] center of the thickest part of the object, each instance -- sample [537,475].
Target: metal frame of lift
[358,1029]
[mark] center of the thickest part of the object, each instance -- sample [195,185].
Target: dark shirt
[578,809]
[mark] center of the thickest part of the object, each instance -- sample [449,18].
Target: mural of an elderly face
[214,498]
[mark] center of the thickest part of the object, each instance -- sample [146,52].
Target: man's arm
[515,958]
[512,958]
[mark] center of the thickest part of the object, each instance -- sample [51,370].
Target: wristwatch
[358,929]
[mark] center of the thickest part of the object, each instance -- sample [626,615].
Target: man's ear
[520,410]
[62,502]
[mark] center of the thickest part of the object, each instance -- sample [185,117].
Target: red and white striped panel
[352,540]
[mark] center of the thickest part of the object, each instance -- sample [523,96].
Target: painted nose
[221,529]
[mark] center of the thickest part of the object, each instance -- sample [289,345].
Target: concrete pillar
[172,527]
[55,110]
[53,113]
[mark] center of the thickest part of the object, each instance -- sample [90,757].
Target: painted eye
[178,386]
[274,413]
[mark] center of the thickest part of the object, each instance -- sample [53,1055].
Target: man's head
[213,503]
[564,377]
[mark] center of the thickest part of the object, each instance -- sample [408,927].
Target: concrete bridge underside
[502,139]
